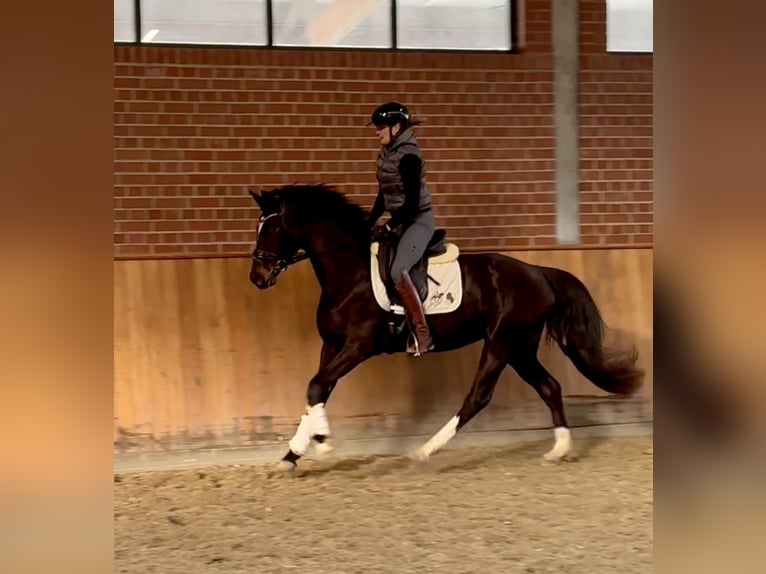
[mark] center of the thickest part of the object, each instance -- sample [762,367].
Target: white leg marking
[563,444]
[301,440]
[438,441]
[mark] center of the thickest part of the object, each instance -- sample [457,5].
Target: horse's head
[276,247]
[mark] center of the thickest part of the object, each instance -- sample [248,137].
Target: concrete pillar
[566,33]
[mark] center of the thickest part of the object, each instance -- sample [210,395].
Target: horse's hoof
[418,455]
[286,466]
[324,448]
[555,457]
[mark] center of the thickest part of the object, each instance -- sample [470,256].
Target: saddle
[419,273]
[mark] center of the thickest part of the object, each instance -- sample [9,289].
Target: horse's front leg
[334,364]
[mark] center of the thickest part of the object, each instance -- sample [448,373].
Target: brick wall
[195,127]
[616,122]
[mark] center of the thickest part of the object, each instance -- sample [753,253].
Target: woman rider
[402,192]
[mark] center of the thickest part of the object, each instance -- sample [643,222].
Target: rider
[402,192]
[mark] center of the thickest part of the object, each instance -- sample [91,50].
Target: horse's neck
[338,262]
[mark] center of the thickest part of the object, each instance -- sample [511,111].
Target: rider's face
[386,134]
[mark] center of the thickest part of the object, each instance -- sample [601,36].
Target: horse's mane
[323,201]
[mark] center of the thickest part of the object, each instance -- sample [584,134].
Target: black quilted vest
[389,179]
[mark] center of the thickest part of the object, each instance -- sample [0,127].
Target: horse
[506,302]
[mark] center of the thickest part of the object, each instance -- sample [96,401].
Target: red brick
[129,226]
[202,225]
[169,225]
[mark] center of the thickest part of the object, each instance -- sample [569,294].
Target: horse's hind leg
[494,358]
[524,361]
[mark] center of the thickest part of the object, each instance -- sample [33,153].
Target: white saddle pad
[444,295]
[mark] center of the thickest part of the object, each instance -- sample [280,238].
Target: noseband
[280,263]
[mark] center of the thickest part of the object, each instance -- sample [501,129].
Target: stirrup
[414,348]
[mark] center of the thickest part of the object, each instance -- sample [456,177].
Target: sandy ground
[479,510]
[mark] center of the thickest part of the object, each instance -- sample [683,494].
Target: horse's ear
[256,195]
[279,203]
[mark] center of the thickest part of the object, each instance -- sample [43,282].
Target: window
[341,23]
[204,21]
[629,26]
[454,24]
[124,21]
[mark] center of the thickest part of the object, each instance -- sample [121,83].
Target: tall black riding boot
[414,309]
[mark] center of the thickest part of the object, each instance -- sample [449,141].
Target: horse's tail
[576,325]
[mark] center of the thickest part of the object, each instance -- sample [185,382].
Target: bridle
[280,263]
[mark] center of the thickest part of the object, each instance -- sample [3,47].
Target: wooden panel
[203,359]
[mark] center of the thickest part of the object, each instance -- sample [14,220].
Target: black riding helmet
[390,114]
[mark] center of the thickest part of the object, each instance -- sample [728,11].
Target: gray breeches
[413,244]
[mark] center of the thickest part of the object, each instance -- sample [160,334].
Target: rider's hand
[380,232]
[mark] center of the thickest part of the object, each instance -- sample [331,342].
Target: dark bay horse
[506,302]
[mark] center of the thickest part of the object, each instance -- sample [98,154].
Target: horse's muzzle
[263,282]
